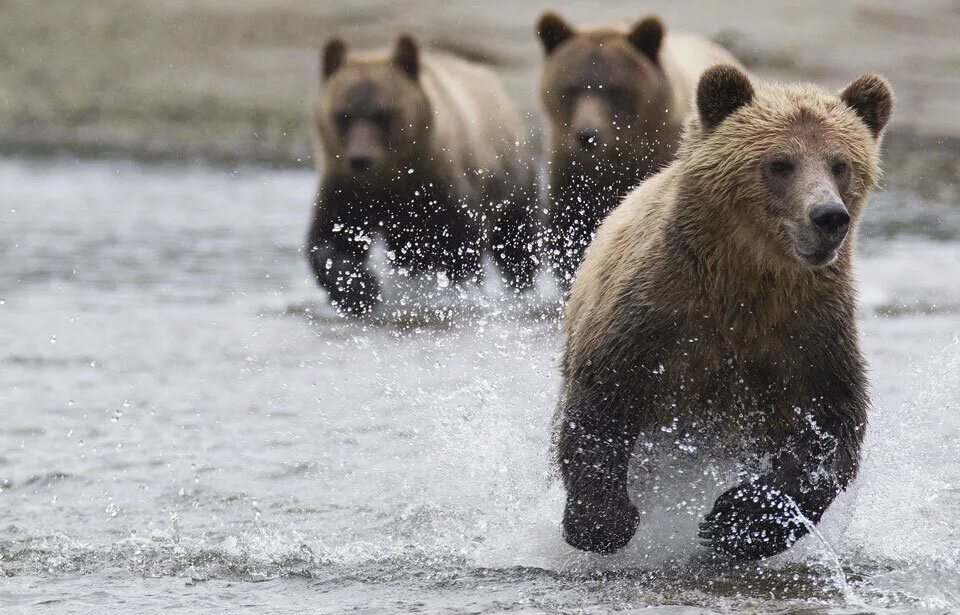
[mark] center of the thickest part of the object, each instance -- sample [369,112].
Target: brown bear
[716,307]
[424,150]
[615,100]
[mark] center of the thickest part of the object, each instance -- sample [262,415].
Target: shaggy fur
[422,149]
[694,308]
[630,89]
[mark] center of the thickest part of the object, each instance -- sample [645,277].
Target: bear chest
[708,388]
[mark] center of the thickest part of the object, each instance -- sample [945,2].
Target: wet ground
[187,425]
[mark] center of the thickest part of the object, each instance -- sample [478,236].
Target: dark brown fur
[615,100]
[699,293]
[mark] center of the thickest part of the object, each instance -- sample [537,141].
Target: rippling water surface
[187,425]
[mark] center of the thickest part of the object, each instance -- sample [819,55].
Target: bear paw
[600,525]
[752,521]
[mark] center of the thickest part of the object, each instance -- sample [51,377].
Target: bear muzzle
[830,223]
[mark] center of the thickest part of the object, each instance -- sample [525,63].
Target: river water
[186,425]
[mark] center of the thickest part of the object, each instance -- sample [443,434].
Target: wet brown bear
[422,149]
[717,307]
[616,101]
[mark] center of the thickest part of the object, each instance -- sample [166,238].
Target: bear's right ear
[722,90]
[552,30]
[646,36]
[332,57]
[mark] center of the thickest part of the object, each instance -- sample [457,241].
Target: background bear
[423,149]
[616,101]
[716,310]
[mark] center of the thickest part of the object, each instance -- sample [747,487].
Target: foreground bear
[616,101]
[423,150]
[716,308]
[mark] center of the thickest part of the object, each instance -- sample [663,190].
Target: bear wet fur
[424,150]
[718,300]
[615,100]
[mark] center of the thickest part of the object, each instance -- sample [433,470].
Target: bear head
[784,170]
[602,83]
[372,114]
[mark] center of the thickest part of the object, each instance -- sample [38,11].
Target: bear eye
[382,118]
[342,121]
[839,168]
[781,166]
[619,97]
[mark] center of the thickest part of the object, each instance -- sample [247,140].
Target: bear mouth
[817,256]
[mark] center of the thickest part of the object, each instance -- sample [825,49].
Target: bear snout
[588,138]
[360,163]
[832,220]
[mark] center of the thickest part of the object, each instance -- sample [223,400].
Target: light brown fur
[628,252]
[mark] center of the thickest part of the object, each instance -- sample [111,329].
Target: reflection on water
[184,415]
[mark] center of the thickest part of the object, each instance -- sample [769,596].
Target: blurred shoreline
[233,82]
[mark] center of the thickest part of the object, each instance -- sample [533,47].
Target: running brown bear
[423,149]
[718,301]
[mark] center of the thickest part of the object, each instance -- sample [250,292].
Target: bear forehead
[587,60]
[366,84]
[803,114]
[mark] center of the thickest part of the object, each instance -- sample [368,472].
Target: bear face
[372,114]
[599,82]
[795,162]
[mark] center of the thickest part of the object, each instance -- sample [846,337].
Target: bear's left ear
[406,56]
[646,36]
[871,97]
[722,90]
[332,57]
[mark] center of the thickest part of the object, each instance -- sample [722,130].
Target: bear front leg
[337,247]
[593,449]
[572,223]
[767,515]
[565,245]
[513,243]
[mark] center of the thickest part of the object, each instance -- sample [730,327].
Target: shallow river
[186,424]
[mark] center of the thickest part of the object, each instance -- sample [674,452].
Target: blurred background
[234,80]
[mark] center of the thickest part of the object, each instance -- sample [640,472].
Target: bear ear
[871,97]
[646,36]
[406,56]
[553,30]
[722,90]
[332,57]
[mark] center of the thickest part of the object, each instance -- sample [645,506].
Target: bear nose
[361,162]
[588,138]
[831,219]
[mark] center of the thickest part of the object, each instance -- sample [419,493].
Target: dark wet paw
[601,526]
[752,521]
